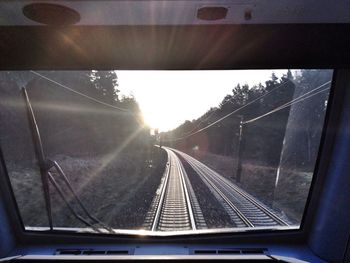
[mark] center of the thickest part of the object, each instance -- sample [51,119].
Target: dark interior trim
[175,47]
[282,237]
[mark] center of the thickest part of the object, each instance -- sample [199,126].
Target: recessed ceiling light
[51,14]
[212,13]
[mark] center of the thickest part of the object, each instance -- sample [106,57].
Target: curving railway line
[244,209]
[175,206]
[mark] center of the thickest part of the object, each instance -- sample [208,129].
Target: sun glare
[169,98]
[158,115]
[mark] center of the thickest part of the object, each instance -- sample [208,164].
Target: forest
[255,137]
[70,123]
[272,157]
[96,135]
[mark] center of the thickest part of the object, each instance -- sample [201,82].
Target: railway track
[175,206]
[244,209]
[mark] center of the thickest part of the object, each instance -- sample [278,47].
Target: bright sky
[168,98]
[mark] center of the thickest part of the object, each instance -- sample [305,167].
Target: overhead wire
[202,121]
[230,100]
[191,133]
[301,98]
[79,93]
[229,114]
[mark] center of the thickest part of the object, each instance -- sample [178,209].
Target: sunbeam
[109,158]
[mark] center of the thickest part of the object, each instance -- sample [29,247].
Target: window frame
[320,172]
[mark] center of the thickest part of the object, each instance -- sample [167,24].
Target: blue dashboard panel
[347,255]
[331,227]
[292,251]
[7,240]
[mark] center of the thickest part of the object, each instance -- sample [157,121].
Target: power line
[229,114]
[265,94]
[79,93]
[230,100]
[202,121]
[290,103]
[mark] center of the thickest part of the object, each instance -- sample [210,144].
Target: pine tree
[106,85]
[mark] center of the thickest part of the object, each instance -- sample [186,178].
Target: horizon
[160,105]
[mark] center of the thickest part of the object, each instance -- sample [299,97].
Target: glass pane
[163,151]
[18,150]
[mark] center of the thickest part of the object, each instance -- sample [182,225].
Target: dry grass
[108,193]
[288,196]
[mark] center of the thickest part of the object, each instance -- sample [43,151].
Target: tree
[272,82]
[106,85]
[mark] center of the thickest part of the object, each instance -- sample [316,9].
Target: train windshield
[162,152]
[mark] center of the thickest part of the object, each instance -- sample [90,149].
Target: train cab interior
[174,131]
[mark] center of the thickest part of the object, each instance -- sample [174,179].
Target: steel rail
[188,200]
[174,213]
[213,177]
[241,216]
[248,197]
[162,195]
[174,209]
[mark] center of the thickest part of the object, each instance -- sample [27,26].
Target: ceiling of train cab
[173,34]
[186,12]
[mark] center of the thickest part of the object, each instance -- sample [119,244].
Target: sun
[169,98]
[160,116]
